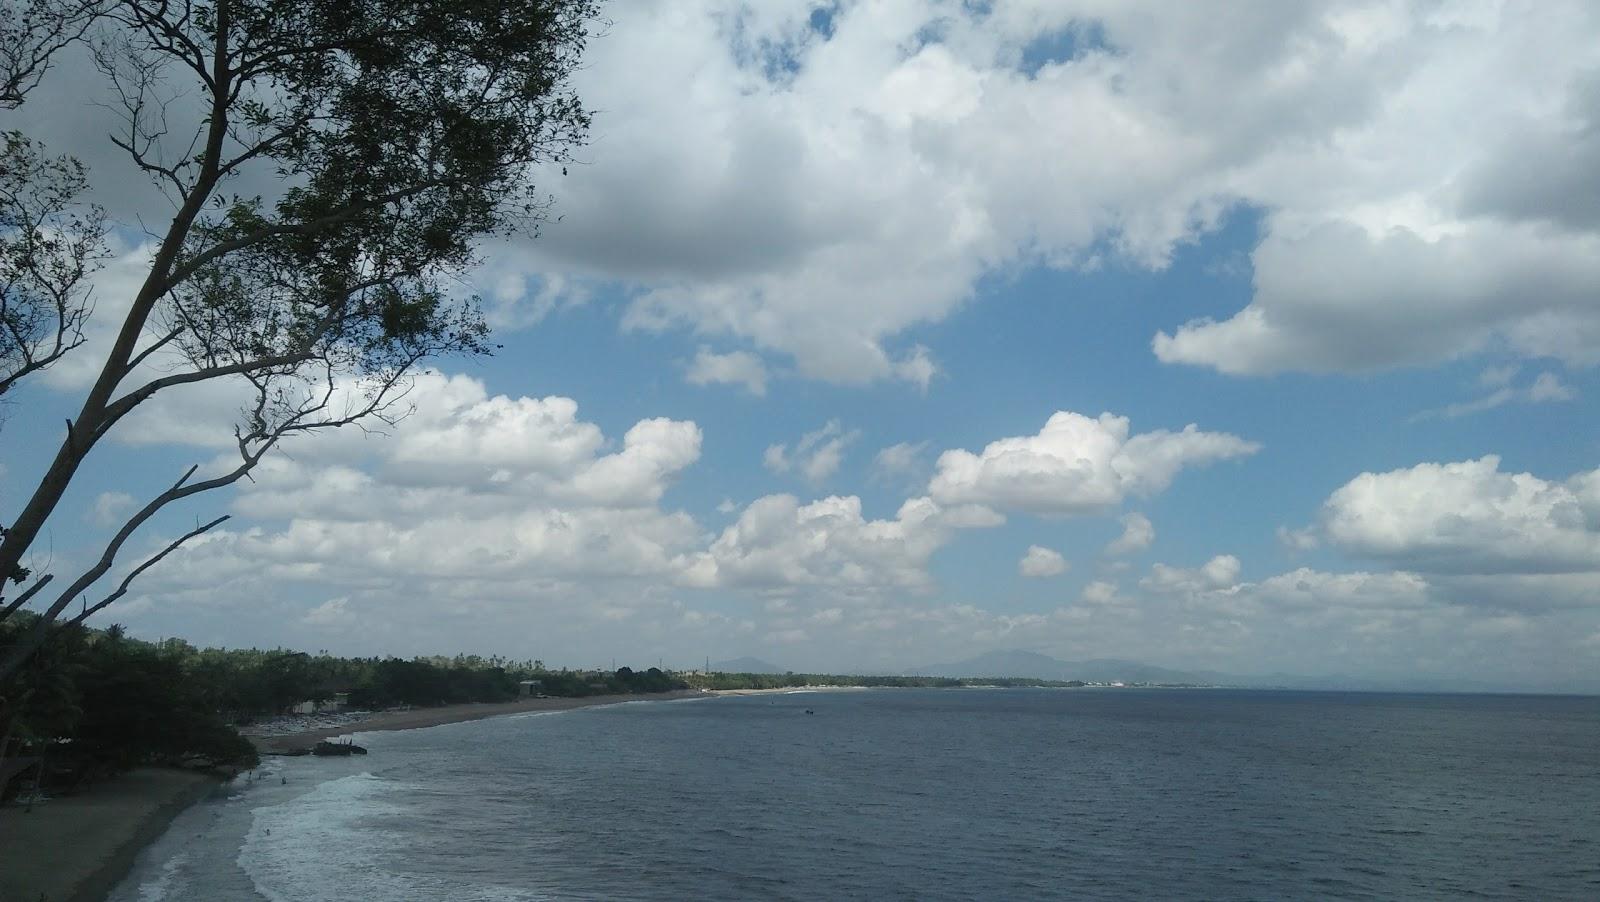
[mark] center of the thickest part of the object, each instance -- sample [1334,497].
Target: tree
[394,135]
[49,244]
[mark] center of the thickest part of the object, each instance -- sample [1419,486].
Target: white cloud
[779,542]
[1339,298]
[1546,388]
[1304,539]
[1221,572]
[472,494]
[1041,562]
[1101,592]
[735,368]
[110,509]
[900,463]
[816,456]
[1137,534]
[1470,518]
[830,192]
[833,191]
[1549,387]
[1076,465]
[917,367]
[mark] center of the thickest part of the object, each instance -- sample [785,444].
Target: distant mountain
[1021,663]
[747,664]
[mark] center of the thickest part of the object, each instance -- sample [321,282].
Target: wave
[325,845]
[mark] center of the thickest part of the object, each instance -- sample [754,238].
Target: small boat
[326,748]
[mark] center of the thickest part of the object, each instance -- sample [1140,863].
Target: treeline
[96,702]
[798,680]
[92,703]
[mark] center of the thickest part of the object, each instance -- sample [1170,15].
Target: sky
[1250,337]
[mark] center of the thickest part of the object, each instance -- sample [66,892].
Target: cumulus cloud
[473,489]
[1041,562]
[1137,534]
[735,368]
[779,542]
[1077,465]
[816,456]
[836,185]
[1221,572]
[838,180]
[1469,517]
[1339,298]
[110,508]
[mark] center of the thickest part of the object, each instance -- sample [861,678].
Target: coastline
[93,837]
[79,848]
[421,718]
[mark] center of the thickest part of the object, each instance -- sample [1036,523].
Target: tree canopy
[330,165]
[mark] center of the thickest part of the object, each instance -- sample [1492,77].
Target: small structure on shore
[530,689]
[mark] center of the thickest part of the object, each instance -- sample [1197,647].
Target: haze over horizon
[1246,338]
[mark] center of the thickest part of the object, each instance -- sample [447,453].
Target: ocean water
[926,794]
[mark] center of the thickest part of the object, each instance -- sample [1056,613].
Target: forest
[93,703]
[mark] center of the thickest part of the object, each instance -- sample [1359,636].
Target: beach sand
[417,718]
[76,848]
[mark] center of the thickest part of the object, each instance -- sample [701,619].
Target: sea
[925,794]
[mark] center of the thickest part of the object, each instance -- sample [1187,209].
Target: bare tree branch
[28,593]
[122,589]
[32,32]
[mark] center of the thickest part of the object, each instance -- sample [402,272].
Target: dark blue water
[959,794]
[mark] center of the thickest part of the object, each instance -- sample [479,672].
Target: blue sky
[1338,239]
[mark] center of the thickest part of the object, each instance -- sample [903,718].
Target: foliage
[381,141]
[98,702]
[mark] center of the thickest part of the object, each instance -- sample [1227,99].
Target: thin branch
[35,44]
[159,344]
[120,407]
[134,574]
[27,593]
[309,227]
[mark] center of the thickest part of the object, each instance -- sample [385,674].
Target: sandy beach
[416,718]
[76,848]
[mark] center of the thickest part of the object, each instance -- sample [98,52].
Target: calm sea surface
[927,794]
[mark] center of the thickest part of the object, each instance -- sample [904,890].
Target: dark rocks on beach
[337,748]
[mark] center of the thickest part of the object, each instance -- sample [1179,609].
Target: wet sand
[76,848]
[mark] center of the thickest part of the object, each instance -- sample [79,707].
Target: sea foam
[327,844]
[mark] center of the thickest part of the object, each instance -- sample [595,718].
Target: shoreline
[422,718]
[79,848]
[93,838]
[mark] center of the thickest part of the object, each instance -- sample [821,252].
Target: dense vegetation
[93,703]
